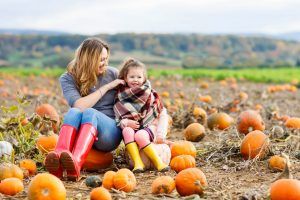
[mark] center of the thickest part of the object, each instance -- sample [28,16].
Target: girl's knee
[73,117]
[142,138]
[128,135]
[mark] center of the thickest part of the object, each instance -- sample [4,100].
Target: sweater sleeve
[69,89]
[162,125]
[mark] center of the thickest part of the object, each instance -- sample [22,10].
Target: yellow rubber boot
[134,153]
[156,160]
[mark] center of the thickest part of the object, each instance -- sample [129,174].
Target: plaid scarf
[141,104]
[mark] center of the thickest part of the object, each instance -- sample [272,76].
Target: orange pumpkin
[182,162]
[277,163]
[46,143]
[285,189]
[108,180]
[30,165]
[46,186]
[8,170]
[11,186]
[255,144]
[100,193]
[219,120]
[293,123]
[49,111]
[124,180]
[194,132]
[190,181]
[200,115]
[163,185]
[183,148]
[248,121]
[97,160]
[205,98]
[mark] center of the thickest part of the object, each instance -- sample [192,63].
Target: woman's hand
[133,124]
[115,83]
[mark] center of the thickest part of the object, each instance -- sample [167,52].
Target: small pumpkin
[30,165]
[200,115]
[46,143]
[248,121]
[277,163]
[11,186]
[183,148]
[8,170]
[254,144]
[97,160]
[163,151]
[100,193]
[182,162]
[108,180]
[124,180]
[93,181]
[163,185]
[219,120]
[6,149]
[293,123]
[205,98]
[194,132]
[287,189]
[47,110]
[190,181]
[46,186]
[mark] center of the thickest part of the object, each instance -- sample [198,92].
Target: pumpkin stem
[45,192]
[287,171]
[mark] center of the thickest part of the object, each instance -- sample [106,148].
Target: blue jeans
[109,134]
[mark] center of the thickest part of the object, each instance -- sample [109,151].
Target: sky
[152,16]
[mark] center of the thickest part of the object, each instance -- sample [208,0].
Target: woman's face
[103,62]
[135,77]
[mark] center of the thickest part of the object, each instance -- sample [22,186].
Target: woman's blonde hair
[85,64]
[130,63]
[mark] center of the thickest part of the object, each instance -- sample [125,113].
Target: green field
[267,75]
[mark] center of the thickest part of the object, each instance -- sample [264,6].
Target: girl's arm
[91,99]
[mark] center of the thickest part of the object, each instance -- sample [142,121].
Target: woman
[88,86]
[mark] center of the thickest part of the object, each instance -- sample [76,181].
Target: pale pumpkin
[194,132]
[6,149]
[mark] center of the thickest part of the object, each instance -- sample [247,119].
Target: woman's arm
[91,99]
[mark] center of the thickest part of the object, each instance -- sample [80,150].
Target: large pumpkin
[8,170]
[255,144]
[219,121]
[190,181]
[194,132]
[46,186]
[285,189]
[97,160]
[182,162]
[163,151]
[183,148]
[47,110]
[124,180]
[248,121]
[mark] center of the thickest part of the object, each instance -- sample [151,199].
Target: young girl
[140,114]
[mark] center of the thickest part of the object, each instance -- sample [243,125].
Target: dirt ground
[218,155]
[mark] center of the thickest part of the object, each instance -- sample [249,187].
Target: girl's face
[103,62]
[135,77]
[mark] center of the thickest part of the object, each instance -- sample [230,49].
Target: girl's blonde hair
[85,64]
[130,63]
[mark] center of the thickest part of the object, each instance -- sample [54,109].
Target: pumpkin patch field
[228,139]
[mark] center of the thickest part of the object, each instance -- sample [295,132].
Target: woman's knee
[89,116]
[73,117]
[128,135]
[142,138]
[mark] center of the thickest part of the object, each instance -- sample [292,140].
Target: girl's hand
[115,83]
[133,124]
